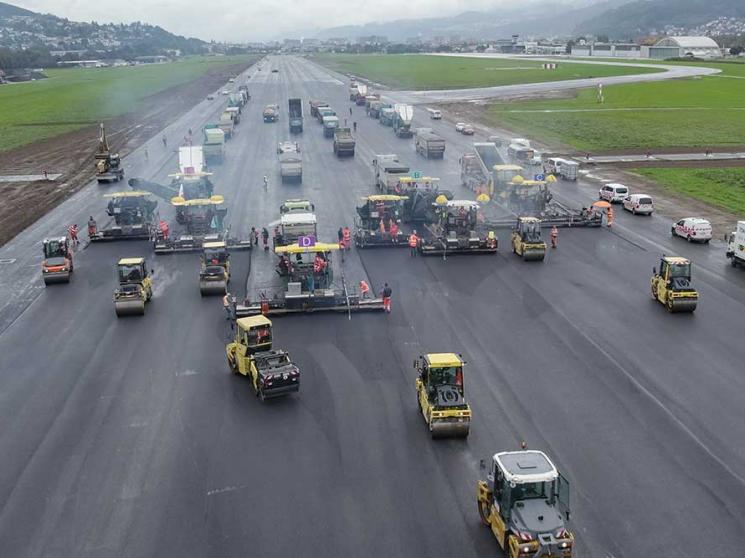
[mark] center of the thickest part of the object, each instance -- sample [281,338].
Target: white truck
[290,162]
[562,168]
[388,170]
[226,124]
[402,121]
[434,114]
[190,159]
[213,143]
[736,247]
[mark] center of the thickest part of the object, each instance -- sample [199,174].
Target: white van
[613,193]
[434,114]
[639,204]
[693,229]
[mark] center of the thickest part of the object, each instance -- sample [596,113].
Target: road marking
[7,260]
[226,489]
[187,373]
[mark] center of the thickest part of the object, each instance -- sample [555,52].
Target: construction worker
[163,229]
[387,291]
[347,236]
[394,231]
[354,125]
[364,290]
[147,158]
[91,226]
[382,228]
[610,217]
[265,238]
[413,242]
[165,141]
[340,234]
[73,232]
[253,237]
[492,239]
[554,237]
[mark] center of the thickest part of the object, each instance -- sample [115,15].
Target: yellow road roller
[135,287]
[672,287]
[214,270]
[440,394]
[527,241]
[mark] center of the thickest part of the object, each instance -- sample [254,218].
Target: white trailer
[434,114]
[736,248]
[190,159]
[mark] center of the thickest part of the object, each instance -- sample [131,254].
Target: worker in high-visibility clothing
[347,235]
[413,242]
[554,237]
[364,289]
[610,216]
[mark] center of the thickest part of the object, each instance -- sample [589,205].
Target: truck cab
[525,503]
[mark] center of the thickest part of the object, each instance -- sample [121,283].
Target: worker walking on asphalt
[554,237]
[253,237]
[147,157]
[350,111]
[91,227]
[394,231]
[413,242]
[354,125]
[387,292]
[165,141]
[610,217]
[364,290]
[347,236]
[73,231]
[265,238]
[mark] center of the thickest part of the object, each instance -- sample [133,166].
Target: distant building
[81,64]
[156,59]
[682,47]
[609,50]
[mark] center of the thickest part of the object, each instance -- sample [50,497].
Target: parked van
[693,229]
[639,204]
[613,193]
[519,152]
[434,114]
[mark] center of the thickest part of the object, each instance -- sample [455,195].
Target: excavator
[108,164]
[57,265]
[271,371]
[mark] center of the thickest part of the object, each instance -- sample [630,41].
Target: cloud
[233,20]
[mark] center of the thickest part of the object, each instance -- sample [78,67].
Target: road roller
[214,271]
[672,287]
[135,287]
[527,241]
[57,265]
[441,395]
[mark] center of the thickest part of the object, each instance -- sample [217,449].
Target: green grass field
[721,187]
[696,112]
[74,98]
[411,71]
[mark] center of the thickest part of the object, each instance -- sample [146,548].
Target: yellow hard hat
[441,199]
[550,179]
[482,198]
[517,179]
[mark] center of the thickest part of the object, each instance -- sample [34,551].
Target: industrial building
[681,47]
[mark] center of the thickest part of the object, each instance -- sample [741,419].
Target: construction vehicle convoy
[671,285]
[133,215]
[135,287]
[736,245]
[290,162]
[378,222]
[440,394]
[213,143]
[108,165]
[404,115]
[271,371]
[57,265]
[526,239]
[456,230]
[344,142]
[214,269]
[295,116]
[525,502]
[429,144]
[271,113]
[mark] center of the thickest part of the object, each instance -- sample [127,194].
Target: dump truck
[323,112]
[456,230]
[236,100]
[671,285]
[290,162]
[370,99]
[330,125]
[214,269]
[213,143]
[244,90]
[430,145]
[525,502]
[235,113]
[270,113]
[315,105]
[434,114]
[343,142]
[292,226]
[440,394]
[378,222]
[271,371]
[477,168]
[57,265]
[402,120]
[361,94]
[527,241]
[108,165]
[133,216]
[226,124]
[736,245]
[387,170]
[295,112]
[373,111]
[353,90]
[387,116]
[135,287]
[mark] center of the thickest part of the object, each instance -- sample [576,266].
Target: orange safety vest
[554,233]
[364,287]
[413,240]
[346,234]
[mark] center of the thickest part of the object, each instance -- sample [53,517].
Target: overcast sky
[245,20]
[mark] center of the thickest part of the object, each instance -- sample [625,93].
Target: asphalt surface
[129,437]
[668,71]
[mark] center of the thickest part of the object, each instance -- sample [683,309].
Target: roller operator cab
[135,287]
[525,502]
[671,285]
[527,241]
[214,270]
[271,371]
[57,265]
[440,393]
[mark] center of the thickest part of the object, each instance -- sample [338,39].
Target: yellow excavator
[440,394]
[135,287]
[672,287]
[527,241]
[271,371]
